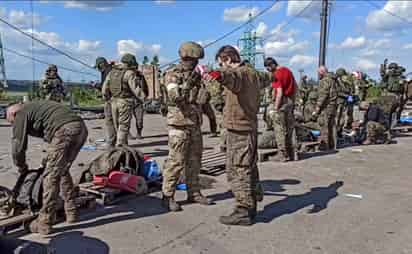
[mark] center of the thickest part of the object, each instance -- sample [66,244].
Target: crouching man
[66,133]
[377,124]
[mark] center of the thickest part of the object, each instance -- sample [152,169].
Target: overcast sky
[361,36]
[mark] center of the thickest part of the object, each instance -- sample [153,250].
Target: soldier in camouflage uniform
[344,100]
[326,109]
[184,119]
[51,86]
[203,100]
[104,68]
[285,90]
[218,102]
[394,87]
[66,133]
[360,84]
[138,110]
[242,91]
[268,104]
[310,107]
[376,124]
[123,85]
[303,94]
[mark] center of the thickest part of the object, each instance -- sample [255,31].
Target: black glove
[23,169]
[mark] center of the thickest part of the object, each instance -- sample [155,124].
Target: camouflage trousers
[327,137]
[185,156]
[241,166]
[375,131]
[108,121]
[208,111]
[222,131]
[62,151]
[122,116]
[349,116]
[138,115]
[55,96]
[283,124]
[340,117]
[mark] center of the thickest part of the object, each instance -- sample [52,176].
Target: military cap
[191,49]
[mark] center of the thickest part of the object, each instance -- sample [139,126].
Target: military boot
[72,217]
[197,197]
[368,141]
[37,227]
[259,192]
[239,217]
[170,204]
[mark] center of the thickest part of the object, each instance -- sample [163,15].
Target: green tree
[145,60]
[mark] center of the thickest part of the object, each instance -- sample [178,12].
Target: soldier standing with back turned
[51,86]
[184,121]
[123,85]
[326,109]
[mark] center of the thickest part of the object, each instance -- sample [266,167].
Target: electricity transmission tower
[247,44]
[3,83]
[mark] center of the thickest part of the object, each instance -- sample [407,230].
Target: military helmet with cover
[100,60]
[191,49]
[340,72]
[129,59]
[52,67]
[392,66]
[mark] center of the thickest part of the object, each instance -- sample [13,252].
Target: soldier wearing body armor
[326,109]
[138,110]
[123,85]
[394,87]
[104,68]
[52,85]
[344,101]
[310,107]
[184,119]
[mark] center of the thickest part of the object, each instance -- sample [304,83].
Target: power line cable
[291,20]
[230,32]
[32,42]
[388,12]
[45,44]
[46,63]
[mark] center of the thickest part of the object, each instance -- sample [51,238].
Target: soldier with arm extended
[122,86]
[184,119]
[65,132]
[326,109]
[242,91]
[104,68]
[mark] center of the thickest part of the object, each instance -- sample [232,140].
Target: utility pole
[323,32]
[2,67]
[248,43]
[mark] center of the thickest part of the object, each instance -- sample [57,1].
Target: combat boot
[367,142]
[170,204]
[197,197]
[239,217]
[72,217]
[139,134]
[40,228]
[259,192]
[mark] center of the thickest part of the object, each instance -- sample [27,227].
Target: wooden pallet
[213,162]
[23,219]
[105,195]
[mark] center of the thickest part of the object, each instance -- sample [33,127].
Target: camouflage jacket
[182,92]
[242,96]
[328,95]
[344,88]
[52,89]
[132,84]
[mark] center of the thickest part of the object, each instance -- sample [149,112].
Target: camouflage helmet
[191,49]
[129,59]
[52,67]
[340,72]
[392,66]
[313,95]
[99,61]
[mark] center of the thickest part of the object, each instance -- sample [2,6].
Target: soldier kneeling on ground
[376,125]
[66,133]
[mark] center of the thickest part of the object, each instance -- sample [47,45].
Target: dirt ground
[306,208]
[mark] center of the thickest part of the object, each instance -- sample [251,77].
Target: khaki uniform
[343,112]
[52,88]
[123,85]
[242,90]
[138,111]
[327,104]
[204,102]
[218,102]
[184,119]
[66,133]
[283,124]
